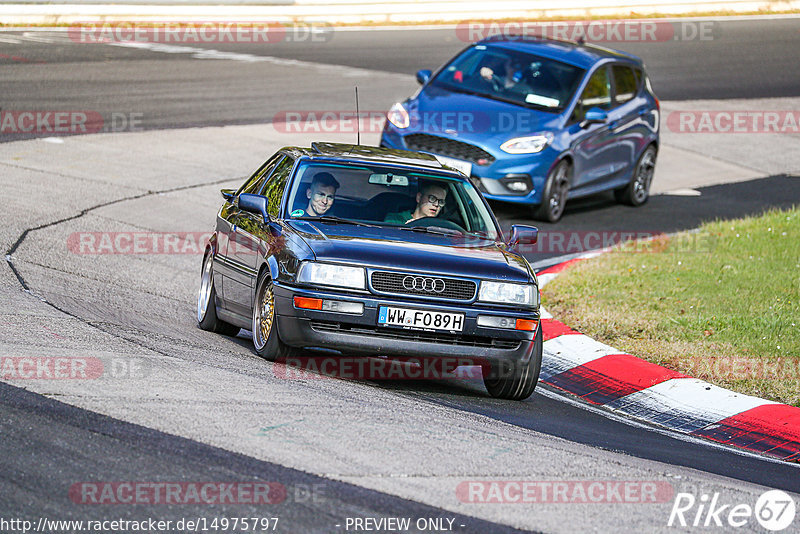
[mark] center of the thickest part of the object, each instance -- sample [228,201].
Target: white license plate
[420,319]
[457,164]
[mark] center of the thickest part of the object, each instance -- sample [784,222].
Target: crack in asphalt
[83,212]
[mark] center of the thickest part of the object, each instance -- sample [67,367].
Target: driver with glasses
[430,200]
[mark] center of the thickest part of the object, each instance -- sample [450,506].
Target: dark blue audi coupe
[373,252]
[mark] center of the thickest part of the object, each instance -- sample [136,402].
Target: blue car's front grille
[448,147]
[423,285]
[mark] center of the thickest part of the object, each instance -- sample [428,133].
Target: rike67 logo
[774,510]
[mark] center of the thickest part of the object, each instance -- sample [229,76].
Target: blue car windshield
[375,195]
[511,76]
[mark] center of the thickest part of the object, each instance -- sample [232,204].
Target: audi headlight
[527,145]
[507,293]
[398,116]
[329,274]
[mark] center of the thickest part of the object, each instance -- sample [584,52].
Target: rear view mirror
[388,179]
[254,204]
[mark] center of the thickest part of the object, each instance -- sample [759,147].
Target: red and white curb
[627,385]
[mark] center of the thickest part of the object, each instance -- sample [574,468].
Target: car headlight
[398,116]
[329,274]
[507,293]
[527,145]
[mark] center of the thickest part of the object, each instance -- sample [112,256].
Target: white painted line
[685,404]
[683,193]
[569,351]
[208,53]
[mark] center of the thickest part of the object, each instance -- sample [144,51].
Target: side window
[276,185]
[597,94]
[625,83]
[256,182]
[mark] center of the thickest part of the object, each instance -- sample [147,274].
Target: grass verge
[721,303]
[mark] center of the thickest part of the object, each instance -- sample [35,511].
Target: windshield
[388,197]
[511,76]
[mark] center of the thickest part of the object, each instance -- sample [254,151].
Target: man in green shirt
[430,201]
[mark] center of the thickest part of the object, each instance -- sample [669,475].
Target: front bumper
[361,335]
[535,166]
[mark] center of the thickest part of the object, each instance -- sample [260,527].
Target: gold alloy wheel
[265,314]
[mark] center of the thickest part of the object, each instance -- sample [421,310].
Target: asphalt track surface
[47,445]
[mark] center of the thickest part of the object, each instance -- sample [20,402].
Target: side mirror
[594,116]
[228,194]
[254,204]
[522,235]
[423,76]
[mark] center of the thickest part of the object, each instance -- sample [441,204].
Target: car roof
[367,154]
[579,54]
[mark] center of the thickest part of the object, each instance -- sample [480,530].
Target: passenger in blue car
[321,194]
[430,200]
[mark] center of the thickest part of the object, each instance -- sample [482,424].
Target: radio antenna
[358,120]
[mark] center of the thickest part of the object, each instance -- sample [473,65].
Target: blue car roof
[579,54]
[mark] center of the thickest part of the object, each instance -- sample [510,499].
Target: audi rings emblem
[421,283]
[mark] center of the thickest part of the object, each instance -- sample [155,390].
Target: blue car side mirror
[522,235]
[594,116]
[254,204]
[423,76]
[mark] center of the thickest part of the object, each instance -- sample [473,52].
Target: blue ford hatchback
[374,252]
[536,121]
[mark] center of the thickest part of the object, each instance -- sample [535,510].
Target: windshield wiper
[337,220]
[432,230]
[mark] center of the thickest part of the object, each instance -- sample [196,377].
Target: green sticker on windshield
[298,213]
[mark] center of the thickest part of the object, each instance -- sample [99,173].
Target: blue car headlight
[330,274]
[507,293]
[398,116]
[530,144]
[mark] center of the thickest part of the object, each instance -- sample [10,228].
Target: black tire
[515,380]
[207,302]
[637,191]
[554,196]
[266,340]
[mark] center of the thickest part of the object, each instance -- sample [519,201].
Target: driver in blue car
[430,200]
[320,195]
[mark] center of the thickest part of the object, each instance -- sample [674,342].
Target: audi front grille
[422,285]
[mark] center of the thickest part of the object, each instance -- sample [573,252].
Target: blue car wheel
[554,196]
